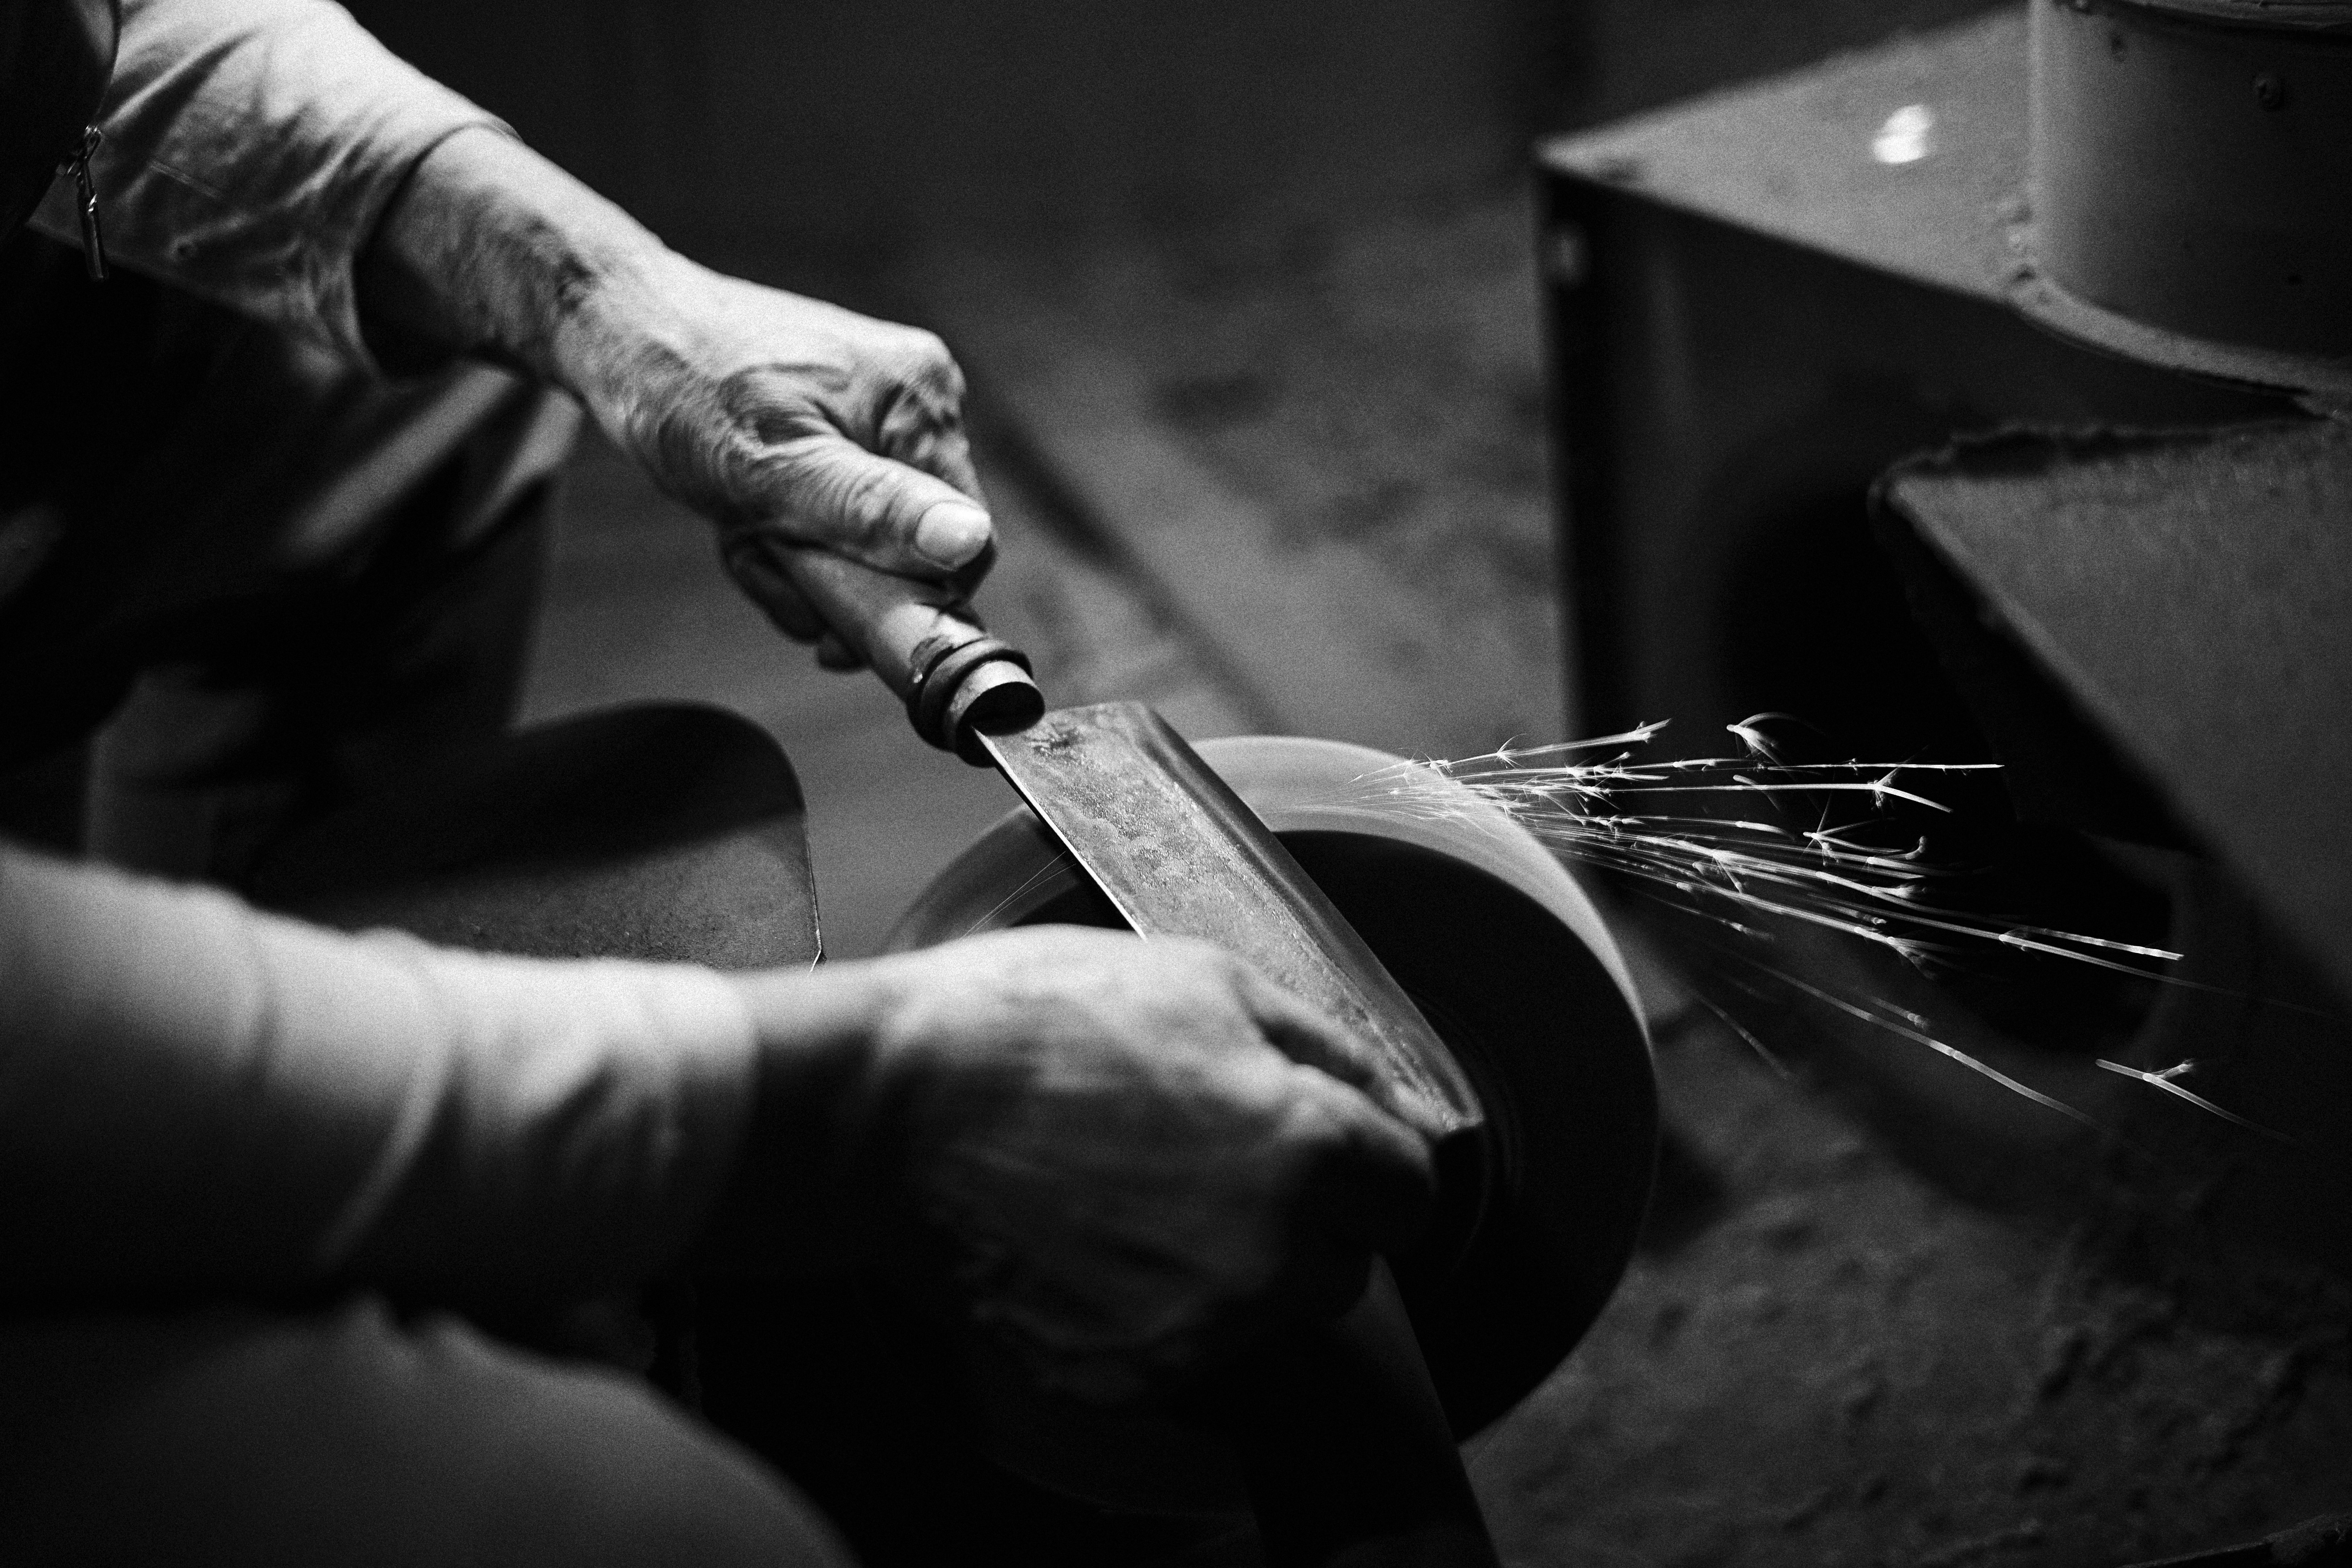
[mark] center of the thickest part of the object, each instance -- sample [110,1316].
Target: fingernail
[951,533]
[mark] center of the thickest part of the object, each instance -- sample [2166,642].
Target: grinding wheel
[1512,964]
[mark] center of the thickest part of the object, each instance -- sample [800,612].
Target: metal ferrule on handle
[957,681]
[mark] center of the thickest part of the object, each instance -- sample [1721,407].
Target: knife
[1341,1440]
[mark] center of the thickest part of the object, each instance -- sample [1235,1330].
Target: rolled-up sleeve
[250,148]
[198,1099]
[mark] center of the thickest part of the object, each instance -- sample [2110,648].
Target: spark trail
[1618,814]
[1598,803]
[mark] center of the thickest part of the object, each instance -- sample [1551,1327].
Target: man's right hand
[1123,1159]
[784,420]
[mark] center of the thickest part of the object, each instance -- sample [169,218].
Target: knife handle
[957,681]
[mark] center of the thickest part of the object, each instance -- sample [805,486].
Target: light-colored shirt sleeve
[197,1098]
[250,148]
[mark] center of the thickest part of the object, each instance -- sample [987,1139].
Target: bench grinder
[1448,937]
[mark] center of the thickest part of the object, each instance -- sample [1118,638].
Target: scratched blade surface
[1179,854]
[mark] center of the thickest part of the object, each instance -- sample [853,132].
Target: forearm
[491,249]
[800,1195]
[198,1100]
[773,414]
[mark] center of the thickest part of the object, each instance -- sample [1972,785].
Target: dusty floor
[1325,444]
[1884,1313]
[1833,1350]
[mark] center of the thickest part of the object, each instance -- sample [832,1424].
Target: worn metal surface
[2185,180]
[2193,595]
[1793,158]
[1178,854]
[1750,317]
[1913,159]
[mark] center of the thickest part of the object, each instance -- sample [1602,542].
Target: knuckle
[928,350]
[764,407]
[852,497]
[930,369]
[952,380]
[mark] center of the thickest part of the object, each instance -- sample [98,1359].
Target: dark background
[857,127]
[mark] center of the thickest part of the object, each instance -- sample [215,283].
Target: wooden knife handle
[922,638]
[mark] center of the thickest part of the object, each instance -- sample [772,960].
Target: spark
[1615,813]
[2165,1081]
[1599,804]
[1753,738]
[987,921]
[1876,1016]
[1745,1033]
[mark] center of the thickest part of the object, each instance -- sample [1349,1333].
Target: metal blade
[1179,854]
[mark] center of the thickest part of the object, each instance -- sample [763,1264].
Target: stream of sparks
[1598,803]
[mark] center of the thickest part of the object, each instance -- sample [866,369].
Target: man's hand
[787,420]
[1120,1158]
[781,418]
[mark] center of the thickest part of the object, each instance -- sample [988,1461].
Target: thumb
[836,494]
